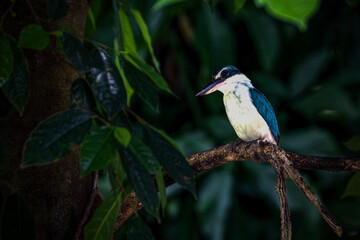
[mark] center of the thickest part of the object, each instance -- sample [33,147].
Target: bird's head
[224,79]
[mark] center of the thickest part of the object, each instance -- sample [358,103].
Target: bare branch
[129,207]
[286,233]
[294,174]
[334,164]
[285,163]
[263,152]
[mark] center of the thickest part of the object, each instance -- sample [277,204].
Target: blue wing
[266,111]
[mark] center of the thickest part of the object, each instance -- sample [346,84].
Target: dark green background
[312,79]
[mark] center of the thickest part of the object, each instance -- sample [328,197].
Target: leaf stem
[105,47]
[140,119]
[97,116]
[37,18]
[4,15]
[120,184]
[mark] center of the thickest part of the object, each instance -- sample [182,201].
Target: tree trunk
[56,196]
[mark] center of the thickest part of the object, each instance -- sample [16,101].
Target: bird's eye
[224,74]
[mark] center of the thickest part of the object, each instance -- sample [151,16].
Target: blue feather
[266,111]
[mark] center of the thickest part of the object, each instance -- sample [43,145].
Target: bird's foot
[258,141]
[239,141]
[255,141]
[235,144]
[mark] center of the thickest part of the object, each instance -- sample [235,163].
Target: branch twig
[130,205]
[280,188]
[285,163]
[299,181]
[37,18]
[89,206]
[4,15]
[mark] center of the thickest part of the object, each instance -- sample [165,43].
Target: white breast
[244,117]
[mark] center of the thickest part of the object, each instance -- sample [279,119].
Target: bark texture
[286,164]
[56,196]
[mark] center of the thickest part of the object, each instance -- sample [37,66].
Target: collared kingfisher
[248,110]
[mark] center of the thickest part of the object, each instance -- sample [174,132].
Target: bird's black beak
[210,88]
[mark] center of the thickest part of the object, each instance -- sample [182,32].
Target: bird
[248,110]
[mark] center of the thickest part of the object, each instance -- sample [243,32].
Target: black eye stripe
[225,73]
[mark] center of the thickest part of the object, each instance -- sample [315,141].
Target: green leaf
[107,84]
[265,33]
[160,182]
[92,17]
[57,9]
[121,119]
[239,4]
[57,33]
[114,187]
[171,159]
[165,3]
[76,52]
[128,88]
[17,88]
[353,186]
[142,85]
[168,138]
[146,36]
[297,12]
[122,135]
[150,71]
[101,225]
[82,95]
[128,37]
[34,37]
[6,59]
[141,181]
[17,221]
[54,137]
[116,168]
[137,229]
[353,143]
[98,149]
[145,155]
[94,13]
